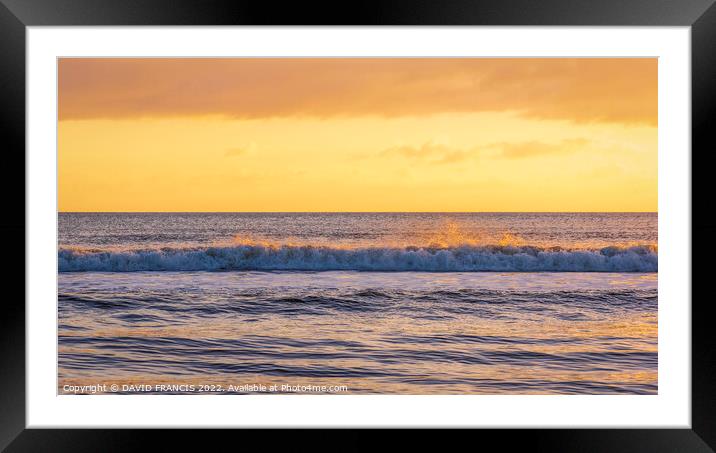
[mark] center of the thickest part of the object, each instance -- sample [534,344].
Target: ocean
[357,303]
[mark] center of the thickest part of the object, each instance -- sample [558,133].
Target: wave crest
[465,258]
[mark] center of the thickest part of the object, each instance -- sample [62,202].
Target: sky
[359,134]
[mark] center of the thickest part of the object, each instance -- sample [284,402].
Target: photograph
[357,226]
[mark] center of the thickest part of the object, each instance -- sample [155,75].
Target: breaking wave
[261,257]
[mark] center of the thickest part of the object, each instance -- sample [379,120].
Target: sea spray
[466,258]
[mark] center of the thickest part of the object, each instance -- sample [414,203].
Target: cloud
[233,152]
[425,150]
[430,151]
[534,148]
[443,154]
[241,150]
[619,90]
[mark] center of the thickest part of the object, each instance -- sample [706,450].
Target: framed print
[466,216]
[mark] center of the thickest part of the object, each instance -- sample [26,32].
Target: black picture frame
[16,15]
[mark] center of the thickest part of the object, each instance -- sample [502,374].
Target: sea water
[410,303]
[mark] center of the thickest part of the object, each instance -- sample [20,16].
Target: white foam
[315,258]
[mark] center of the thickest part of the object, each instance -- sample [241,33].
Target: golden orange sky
[362,134]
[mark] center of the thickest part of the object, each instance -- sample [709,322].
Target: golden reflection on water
[286,338]
[450,233]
